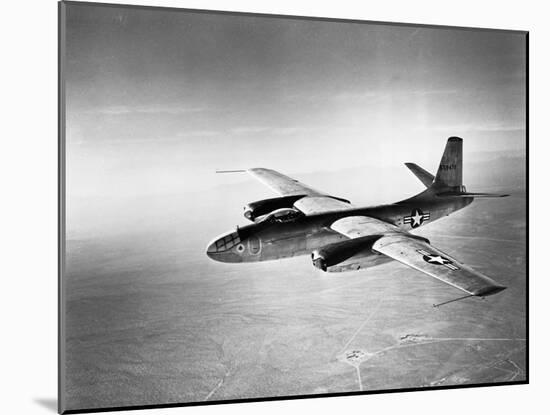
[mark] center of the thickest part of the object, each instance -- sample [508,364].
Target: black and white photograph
[260,206]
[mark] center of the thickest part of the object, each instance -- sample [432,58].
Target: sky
[157,100]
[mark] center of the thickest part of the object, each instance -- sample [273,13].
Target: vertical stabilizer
[449,173]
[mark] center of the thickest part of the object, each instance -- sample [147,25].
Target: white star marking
[416,218]
[438,259]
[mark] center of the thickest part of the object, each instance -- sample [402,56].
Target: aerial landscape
[150,319]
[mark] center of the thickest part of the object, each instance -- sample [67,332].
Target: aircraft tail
[448,180]
[425,177]
[449,173]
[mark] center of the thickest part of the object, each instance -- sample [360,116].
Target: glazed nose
[221,249]
[224,242]
[211,248]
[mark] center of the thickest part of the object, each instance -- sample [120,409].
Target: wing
[359,226]
[417,253]
[281,184]
[314,202]
[425,258]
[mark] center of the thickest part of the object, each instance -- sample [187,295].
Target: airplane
[342,237]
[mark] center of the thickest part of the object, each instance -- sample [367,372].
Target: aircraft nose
[211,248]
[222,248]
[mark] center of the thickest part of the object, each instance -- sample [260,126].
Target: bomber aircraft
[342,237]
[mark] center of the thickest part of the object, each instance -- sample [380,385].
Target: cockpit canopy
[282,215]
[254,211]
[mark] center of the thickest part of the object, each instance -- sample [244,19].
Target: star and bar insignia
[437,260]
[416,218]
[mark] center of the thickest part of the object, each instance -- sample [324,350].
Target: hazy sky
[157,100]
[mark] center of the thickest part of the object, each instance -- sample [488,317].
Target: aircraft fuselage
[269,241]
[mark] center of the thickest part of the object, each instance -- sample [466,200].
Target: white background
[29,204]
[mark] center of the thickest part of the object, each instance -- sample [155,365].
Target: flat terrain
[150,319]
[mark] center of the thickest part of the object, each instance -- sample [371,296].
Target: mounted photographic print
[264,207]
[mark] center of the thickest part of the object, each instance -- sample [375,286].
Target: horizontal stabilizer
[425,177]
[469,194]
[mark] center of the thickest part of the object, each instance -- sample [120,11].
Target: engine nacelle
[254,210]
[334,254]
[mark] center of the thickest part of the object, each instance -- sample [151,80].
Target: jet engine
[328,258]
[255,210]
